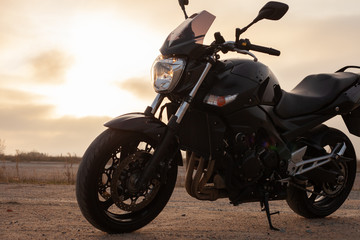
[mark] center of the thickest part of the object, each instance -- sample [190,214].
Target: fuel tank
[242,83]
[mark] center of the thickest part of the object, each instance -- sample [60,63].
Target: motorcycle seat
[313,93]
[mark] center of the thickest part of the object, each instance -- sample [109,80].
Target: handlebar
[269,51]
[245,44]
[241,46]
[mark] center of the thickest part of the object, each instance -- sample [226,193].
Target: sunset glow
[68,66]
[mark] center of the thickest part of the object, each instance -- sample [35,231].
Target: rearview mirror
[182,4]
[272,11]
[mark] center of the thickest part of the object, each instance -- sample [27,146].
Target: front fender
[139,122]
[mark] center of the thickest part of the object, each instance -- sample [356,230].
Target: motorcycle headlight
[166,73]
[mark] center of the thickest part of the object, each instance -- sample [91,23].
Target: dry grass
[38,172]
[2,174]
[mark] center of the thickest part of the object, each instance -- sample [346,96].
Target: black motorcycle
[242,137]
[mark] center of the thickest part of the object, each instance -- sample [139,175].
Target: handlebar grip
[269,51]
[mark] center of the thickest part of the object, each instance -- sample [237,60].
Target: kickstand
[265,207]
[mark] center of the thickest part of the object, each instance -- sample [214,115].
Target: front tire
[105,186]
[312,205]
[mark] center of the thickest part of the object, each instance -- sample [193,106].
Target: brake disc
[104,183]
[124,192]
[333,189]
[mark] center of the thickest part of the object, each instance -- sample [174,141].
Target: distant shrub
[35,156]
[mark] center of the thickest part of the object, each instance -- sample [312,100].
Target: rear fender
[352,121]
[139,122]
[346,102]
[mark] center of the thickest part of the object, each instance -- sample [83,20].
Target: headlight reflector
[166,73]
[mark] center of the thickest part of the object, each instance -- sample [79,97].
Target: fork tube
[155,105]
[185,104]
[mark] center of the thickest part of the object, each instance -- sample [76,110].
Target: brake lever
[246,53]
[231,46]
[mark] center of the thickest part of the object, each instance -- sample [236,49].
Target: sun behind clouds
[105,49]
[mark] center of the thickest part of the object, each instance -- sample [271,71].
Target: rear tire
[109,203]
[310,205]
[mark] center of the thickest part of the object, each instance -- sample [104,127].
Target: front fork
[172,127]
[151,110]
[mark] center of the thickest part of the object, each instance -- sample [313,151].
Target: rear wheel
[322,198]
[106,182]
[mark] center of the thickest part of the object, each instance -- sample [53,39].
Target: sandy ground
[30,211]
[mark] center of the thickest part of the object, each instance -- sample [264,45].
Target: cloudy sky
[68,66]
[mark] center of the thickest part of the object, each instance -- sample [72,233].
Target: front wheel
[322,198]
[106,182]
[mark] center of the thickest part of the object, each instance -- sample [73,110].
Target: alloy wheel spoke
[107,204]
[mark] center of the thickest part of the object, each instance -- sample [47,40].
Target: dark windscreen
[191,31]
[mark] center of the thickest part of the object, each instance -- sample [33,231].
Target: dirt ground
[29,211]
